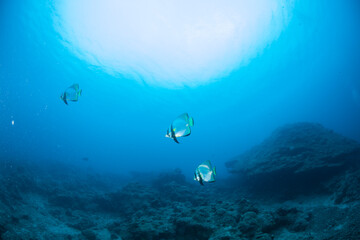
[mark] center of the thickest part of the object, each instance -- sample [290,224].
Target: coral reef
[297,148]
[296,159]
[176,210]
[57,201]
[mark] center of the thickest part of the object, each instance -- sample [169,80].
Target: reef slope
[54,200]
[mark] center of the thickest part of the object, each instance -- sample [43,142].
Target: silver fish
[180,127]
[72,93]
[205,173]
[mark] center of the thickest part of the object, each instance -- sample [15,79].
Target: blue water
[310,73]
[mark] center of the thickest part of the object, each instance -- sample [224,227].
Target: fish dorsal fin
[184,116]
[75,86]
[207,163]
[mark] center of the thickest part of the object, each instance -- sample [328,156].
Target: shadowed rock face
[297,148]
[297,157]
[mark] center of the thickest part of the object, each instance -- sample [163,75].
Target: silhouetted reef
[57,201]
[301,158]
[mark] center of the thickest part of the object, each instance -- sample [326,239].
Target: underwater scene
[220,120]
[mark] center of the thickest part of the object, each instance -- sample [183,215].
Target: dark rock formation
[296,158]
[297,148]
[346,187]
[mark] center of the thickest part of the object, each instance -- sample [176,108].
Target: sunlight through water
[170,43]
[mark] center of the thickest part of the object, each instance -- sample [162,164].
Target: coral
[55,201]
[297,148]
[297,159]
[346,187]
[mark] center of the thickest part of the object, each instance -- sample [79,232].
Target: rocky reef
[297,159]
[57,201]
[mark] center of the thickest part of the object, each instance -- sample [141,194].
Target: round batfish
[72,93]
[205,173]
[180,127]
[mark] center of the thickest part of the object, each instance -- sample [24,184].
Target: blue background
[311,73]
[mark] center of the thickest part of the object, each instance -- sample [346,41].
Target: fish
[180,127]
[72,93]
[205,173]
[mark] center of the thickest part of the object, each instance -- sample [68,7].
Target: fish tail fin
[214,170]
[80,92]
[191,121]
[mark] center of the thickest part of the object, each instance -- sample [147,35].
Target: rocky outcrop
[297,158]
[297,148]
[345,187]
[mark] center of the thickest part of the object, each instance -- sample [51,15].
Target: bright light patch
[170,43]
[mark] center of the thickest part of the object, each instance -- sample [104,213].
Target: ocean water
[297,62]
